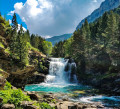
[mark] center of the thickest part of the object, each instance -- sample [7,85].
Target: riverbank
[63,101]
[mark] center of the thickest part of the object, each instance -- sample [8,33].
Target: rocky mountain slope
[105,6]
[56,39]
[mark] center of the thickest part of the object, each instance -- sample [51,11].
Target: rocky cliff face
[105,6]
[16,72]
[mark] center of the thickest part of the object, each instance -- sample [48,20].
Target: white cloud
[54,17]
[94,0]
[10,21]
[11,13]
[24,29]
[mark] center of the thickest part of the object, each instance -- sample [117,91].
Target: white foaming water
[99,99]
[57,73]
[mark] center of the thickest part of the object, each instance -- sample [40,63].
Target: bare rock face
[8,106]
[20,78]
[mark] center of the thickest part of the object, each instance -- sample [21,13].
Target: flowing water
[62,79]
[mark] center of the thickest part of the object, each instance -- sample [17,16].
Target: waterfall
[61,71]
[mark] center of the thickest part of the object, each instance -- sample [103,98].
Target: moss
[79,92]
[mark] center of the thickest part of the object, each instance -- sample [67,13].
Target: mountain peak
[105,6]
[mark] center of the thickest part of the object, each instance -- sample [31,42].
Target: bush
[45,105]
[13,96]
[7,86]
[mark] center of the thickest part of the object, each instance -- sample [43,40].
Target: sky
[48,17]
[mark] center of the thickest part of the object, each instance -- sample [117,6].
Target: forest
[95,47]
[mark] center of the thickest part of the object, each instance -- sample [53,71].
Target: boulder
[25,103]
[100,106]
[8,106]
[28,105]
[48,96]
[33,96]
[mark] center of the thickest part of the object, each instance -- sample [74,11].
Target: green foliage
[45,105]
[59,50]
[7,50]
[1,45]
[53,101]
[7,86]
[13,96]
[100,38]
[47,46]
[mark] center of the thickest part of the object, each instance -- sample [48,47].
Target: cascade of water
[57,72]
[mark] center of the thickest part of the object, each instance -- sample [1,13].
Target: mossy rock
[80,92]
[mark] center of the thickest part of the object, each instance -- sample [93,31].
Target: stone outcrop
[28,105]
[8,106]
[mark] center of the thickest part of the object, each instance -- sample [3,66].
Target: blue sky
[6,6]
[49,17]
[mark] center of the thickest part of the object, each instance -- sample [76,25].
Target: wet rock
[33,96]
[48,96]
[65,99]
[8,106]
[100,106]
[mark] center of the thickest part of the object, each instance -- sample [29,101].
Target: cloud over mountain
[54,17]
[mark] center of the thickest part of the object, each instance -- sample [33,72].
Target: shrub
[13,96]
[45,105]
[7,86]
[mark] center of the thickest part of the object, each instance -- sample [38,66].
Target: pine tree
[13,41]
[22,47]
[27,36]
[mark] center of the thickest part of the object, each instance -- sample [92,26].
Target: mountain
[56,39]
[105,6]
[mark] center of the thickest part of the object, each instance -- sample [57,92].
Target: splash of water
[57,73]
